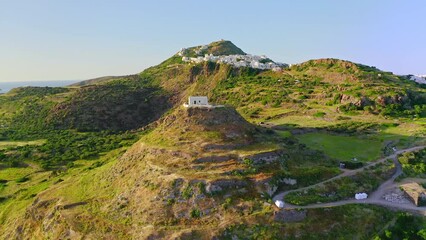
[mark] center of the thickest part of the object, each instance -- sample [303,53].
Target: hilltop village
[418,78]
[236,60]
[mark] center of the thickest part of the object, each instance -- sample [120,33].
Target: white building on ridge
[200,102]
[419,79]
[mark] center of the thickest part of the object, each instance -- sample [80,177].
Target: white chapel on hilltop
[199,101]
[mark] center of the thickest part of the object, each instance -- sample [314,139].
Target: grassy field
[405,134]
[343,147]
[258,147]
[78,184]
[12,174]
[284,134]
[405,129]
[303,121]
[6,144]
[20,194]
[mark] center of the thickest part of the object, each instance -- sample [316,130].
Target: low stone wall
[265,157]
[219,185]
[287,216]
[215,159]
[415,193]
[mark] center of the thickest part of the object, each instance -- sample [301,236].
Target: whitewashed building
[198,101]
[279,203]
[361,196]
[419,78]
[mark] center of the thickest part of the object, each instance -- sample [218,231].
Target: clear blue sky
[81,39]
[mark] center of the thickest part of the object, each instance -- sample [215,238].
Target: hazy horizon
[7,86]
[83,40]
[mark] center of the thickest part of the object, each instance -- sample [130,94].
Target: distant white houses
[253,61]
[418,78]
[361,196]
[181,52]
[279,203]
[201,49]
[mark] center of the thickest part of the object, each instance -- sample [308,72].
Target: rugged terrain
[120,157]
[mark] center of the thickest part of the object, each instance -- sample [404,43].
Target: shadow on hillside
[115,107]
[13,165]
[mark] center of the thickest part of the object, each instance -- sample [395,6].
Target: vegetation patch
[12,174]
[117,105]
[62,147]
[22,179]
[11,144]
[343,222]
[343,188]
[406,226]
[319,114]
[413,164]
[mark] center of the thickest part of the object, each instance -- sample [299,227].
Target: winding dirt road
[374,198]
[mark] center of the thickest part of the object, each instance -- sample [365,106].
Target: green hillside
[118,105]
[121,158]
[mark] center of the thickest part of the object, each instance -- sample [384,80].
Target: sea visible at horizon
[7,86]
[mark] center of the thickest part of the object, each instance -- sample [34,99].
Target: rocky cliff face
[357,101]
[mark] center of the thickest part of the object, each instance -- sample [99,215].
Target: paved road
[374,198]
